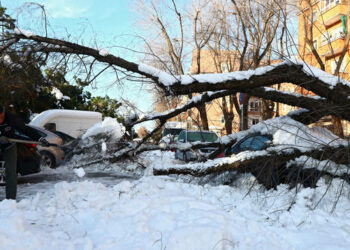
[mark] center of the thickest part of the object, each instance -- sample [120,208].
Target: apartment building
[324,23]
[322,32]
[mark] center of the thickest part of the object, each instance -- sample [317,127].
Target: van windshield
[201,136]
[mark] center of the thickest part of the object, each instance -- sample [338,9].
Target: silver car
[50,156]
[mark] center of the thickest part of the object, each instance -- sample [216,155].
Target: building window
[253,120]
[254,105]
[327,4]
[224,67]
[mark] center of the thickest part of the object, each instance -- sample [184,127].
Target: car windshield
[172,131]
[201,136]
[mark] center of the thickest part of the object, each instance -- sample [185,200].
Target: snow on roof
[45,117]
[168,79]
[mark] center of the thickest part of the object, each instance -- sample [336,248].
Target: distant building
[222,62]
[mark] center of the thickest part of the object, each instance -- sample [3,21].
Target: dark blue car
[252,142]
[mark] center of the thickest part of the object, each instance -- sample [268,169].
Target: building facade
[323,27]
[322,37]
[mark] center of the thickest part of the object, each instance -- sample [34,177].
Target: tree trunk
[228,116]
[204,118]
[245,112]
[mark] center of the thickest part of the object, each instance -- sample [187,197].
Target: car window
[259,142]
[171,131]
[182,136]
[201,136]
[41,133]
[246,144]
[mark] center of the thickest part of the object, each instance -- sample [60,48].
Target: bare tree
[173,59]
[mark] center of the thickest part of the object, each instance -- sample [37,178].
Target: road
[31,184]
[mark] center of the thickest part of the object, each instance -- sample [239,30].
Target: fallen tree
[331,98]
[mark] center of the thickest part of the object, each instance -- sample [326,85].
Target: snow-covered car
[252,142]
[279,134]
[50,156]
[189,136]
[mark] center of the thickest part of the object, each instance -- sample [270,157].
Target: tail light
[172,150]
[30,145]
[220,155]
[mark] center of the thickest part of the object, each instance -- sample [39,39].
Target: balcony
[332,21]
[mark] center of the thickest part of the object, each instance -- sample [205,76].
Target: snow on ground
[171,213]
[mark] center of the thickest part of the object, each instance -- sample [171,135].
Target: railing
[331,36]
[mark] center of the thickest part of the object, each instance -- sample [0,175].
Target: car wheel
[47,160]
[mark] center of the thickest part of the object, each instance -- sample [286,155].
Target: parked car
[50,156]
[253,142]
[186,136]
[28,157]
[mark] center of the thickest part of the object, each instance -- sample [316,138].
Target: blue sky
[110,22]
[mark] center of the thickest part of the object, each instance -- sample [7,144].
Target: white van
[71,122]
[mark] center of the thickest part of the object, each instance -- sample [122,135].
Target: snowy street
[31,184]
[65,211]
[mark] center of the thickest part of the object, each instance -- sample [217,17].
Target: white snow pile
[163,213]
[108,126]
[79,172]
[58,94]
[99,142]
